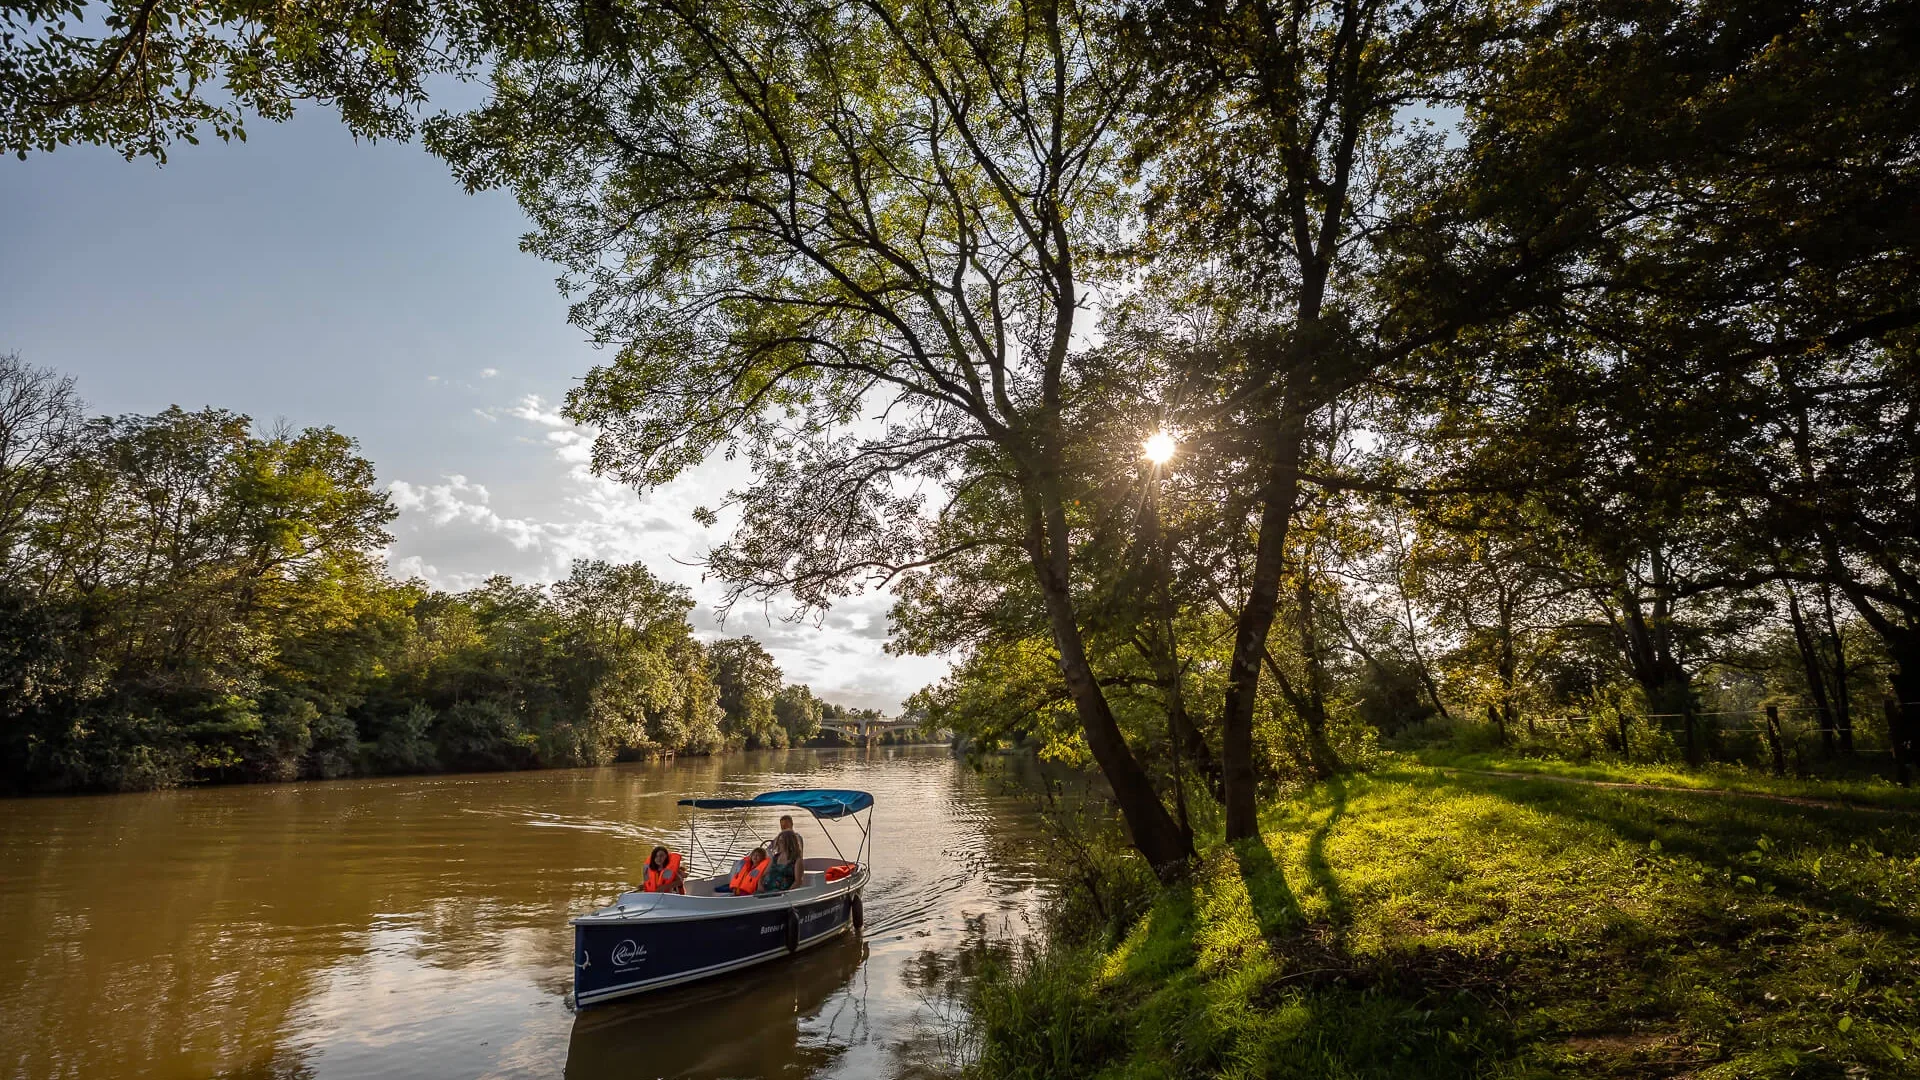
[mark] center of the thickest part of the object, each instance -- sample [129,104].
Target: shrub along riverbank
[1416,922]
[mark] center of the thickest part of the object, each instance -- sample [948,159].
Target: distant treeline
[184,598]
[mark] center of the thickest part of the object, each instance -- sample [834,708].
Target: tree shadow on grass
[1334,1012]
[1275,905]
[1301,947]
[1618,997]
[1339,912]
[1276,908]
[1710,830]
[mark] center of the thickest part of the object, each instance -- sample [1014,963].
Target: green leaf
[1846,1023]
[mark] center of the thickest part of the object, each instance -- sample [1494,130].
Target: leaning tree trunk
[1902,639]
[1155,834]
[1277,496]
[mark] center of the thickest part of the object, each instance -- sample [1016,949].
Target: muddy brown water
[417,927]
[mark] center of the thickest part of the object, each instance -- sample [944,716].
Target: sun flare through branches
[1158,448]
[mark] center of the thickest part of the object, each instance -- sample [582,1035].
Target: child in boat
[746,880]
[785,871]
[664,873]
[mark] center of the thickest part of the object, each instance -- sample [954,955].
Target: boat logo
[627,954]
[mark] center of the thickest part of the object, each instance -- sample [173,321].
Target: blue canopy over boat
[820,802]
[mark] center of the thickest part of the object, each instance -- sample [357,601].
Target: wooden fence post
[1773,740]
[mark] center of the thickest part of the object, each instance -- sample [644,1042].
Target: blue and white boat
[646,941]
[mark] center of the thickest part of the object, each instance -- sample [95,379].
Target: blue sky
[305,276]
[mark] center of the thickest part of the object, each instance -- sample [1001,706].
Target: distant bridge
[862,730]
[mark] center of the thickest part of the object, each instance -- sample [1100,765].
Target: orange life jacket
[746,880]
[667,880]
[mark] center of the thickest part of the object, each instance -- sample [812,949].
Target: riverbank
[1417,922]
[365,765]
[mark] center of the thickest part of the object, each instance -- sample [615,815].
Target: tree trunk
[1162,652]
[1277,496]
[1668,688]
[1842,698]
[1816,678]
[1508,662]
[1166,659]
[1154,832]
[1314,704]
[1413,630]
[1189,745]
[1903,645]
[1905,683]
[1773,741]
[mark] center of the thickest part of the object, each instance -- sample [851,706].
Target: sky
[308,277]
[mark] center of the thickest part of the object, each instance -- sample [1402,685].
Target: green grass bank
[1861,790]
[1416,922]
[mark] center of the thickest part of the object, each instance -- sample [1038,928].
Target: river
[417,927]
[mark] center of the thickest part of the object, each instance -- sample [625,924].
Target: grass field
[1865,791]
[1421,923]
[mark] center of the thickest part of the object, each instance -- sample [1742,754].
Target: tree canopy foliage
[138,75]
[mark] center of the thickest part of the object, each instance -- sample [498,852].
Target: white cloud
[413,566]
[488,373]
[455,533]
[462,502]
[574,447]
[534,409]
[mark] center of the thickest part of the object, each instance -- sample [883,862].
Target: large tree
[1284,140]
[749,685]
[798,712]
[792,214]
